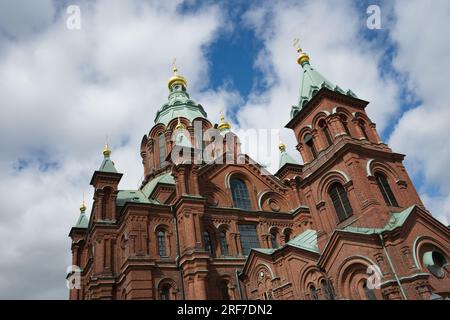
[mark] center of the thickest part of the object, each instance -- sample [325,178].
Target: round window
[435,262]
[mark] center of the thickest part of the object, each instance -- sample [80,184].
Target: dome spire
[106,150]
[302,57]
[176,78]
[107,164]
[179,124]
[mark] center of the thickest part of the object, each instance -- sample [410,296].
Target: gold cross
[174,66]
[296,44]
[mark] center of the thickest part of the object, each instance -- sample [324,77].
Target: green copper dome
[312,82]
[179,105]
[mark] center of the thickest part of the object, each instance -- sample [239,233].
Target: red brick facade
[329,219]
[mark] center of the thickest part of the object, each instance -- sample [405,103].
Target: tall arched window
[165,292]
[309,142]
[208,244]
[362,125]
[344,121]
[162,250]
[287,235]
[327,290]
[273,239]
[385,190]
[313,293]
[223,289]
[162,149]
[340,201]
[326,131]
[240,195]
[223,243]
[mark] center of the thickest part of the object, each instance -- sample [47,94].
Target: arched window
[362,125]
[240,195]
[208,244]
[370,295]
[385,189]
[327,290]
[223,289]
[340,201]
[287,235]
[162,244]
[273,239]
[326,131]
[313,293]
[344,121]
[309,142]
[165,292]
[223,243]
[162,149]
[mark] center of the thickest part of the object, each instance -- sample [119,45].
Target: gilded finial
[281,145]
[106,150]
[176,78]
[82,206]
[179,124]
[303,57]
[174,66]
[223,125]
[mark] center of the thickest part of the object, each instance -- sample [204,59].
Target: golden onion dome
[223,125]
[302,56]
[176,79]
[180,125]
[106,151]
[82,207]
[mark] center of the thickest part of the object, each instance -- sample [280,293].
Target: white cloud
[62,92]
[423,133]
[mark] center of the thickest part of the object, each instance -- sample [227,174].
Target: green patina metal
[179,105]
[286,158]
[83,221]
[150,186]
[307,240]
[397,220]
[107,165]
[137,196]
[312,82]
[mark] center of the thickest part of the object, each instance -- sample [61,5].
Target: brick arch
[362,116]
[173,123]
[230,285]
[156,130]
[304,131]
[422,241]
[319,116]
[375,165]
[144,142]
[280,203]
[350,272]
[173,287]
[205,123]
[214,195]
[304,281]
[213,237]
[261,267]
[328,179]
[161,227]
[248,183]
[339,109]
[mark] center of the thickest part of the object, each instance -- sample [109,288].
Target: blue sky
[62,92]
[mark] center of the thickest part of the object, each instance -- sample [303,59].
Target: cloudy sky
[63,91]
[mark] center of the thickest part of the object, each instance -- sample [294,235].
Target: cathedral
[209,222]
